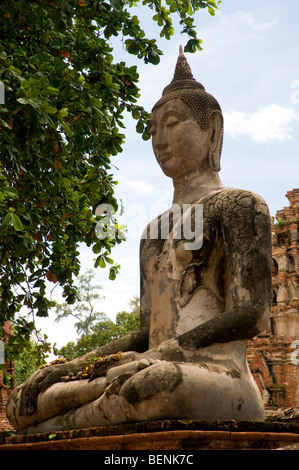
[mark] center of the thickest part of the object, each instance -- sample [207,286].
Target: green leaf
[97,248]
[63,112]
[108,80]
[51,109]
[96,102]
[66,128]
[16,222]
[153,58]
[6,221]
[32,102]
[116,4]
[11,192]
[135,113]
[140,126]
[135,20]
[112,273]
[132,47]
[4,124]
[52,91]
[6,379]
[12,219]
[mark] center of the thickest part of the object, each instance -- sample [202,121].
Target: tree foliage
[65,98]
[104,331]
[27,363]
[84,309]
[94,328]
[99,334]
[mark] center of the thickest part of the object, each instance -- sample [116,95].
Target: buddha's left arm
[246,230]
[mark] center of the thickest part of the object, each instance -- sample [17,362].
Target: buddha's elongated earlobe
[216,129]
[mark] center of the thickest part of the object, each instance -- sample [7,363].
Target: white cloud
[141,187]
[246,18]
[268,123]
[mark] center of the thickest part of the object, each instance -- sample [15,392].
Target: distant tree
[27,362]
[128,321]
[84,308]
[100,334]
[103,332]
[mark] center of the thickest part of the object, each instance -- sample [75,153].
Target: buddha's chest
[177,239]
[184,276]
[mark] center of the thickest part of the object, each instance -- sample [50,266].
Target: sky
[249,63]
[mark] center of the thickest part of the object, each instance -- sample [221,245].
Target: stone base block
[164,435]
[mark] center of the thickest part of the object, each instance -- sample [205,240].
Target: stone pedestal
[167,435]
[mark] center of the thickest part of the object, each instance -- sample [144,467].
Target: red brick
[270,355]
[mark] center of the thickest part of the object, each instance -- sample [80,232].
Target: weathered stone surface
[205,290]
[164,435]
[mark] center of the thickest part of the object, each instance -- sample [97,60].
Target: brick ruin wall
[273,357]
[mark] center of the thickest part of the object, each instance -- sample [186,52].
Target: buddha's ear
[216,139]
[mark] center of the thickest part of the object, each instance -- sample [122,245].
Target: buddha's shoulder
[232,200]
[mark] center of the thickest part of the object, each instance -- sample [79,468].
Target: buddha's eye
[153,131]
[172,122]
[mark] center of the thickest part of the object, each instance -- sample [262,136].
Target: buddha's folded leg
[57,406]
[165,390]
[62,396]
[175,390]
[55,401]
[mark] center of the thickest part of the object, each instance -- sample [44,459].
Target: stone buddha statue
[201,299]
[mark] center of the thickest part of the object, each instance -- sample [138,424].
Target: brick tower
[274,356]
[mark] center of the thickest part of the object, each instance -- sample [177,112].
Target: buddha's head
[186,125]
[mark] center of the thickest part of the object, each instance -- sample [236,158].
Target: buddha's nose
[161,145]
[161,141]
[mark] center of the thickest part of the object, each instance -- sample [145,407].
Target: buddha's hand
[170,350]
[40,381]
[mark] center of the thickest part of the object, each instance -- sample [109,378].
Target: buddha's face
[179,144]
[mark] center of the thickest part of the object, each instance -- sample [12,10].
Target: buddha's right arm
[134,341]
[42,379]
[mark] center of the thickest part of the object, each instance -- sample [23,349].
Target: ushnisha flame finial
[184,86]
[182,78]
[182,69]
